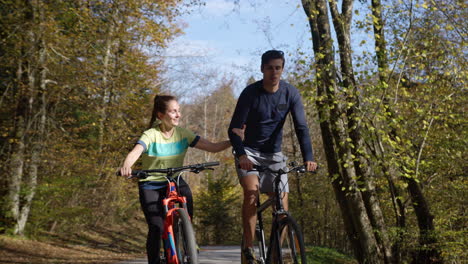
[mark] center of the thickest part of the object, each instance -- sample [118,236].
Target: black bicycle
[178,236]
[286,243]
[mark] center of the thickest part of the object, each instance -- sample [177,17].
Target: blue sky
[225,39]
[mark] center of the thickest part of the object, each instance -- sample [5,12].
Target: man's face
[272,72]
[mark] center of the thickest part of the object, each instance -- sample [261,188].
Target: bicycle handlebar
[196,168]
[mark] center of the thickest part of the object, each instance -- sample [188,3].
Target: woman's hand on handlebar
[240,132]
[126,171]
[310,165]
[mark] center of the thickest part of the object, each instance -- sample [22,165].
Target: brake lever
[198,170]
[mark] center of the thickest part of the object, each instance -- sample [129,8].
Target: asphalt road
[208,255]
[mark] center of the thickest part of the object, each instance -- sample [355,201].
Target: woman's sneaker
[249,255]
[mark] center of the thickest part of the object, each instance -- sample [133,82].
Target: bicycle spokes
[290,249]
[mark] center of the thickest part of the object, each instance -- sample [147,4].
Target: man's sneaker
[249,255]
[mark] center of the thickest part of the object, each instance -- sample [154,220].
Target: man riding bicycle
[262,109]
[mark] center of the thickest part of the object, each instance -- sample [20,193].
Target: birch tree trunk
[30,117]
[18,155]
[16,170]
[37,144]
[105,93]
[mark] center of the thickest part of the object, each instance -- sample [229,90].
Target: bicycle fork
[168,231]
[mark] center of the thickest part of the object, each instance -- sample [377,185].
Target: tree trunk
[36,115]
[428,253]
[360,217]
[18,155]
[105,85]
[342,24]
[16,170]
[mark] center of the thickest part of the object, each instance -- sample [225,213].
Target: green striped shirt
[162,152]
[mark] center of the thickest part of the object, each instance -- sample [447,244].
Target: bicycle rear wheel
[184,238]
[287,246]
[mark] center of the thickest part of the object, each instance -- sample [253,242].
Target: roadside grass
[321,255]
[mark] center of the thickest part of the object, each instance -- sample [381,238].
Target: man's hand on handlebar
[310,165]
[245,163]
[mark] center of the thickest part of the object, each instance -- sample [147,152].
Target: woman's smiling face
[172,115]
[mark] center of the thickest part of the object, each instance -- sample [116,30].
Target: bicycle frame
[278,213]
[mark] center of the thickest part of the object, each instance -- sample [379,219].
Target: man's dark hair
[271,55]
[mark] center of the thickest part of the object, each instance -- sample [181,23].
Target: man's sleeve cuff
[239,152]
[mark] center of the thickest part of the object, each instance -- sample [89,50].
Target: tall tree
[420,27]
[62,61]
[390,144]
[338,103]
[30,89]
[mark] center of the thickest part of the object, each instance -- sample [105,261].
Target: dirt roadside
[108,244]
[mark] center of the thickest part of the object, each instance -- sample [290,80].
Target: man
[262,107]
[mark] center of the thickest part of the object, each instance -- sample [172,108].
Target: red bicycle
[178,237]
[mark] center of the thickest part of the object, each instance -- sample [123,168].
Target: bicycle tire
[184,236]
[291,249]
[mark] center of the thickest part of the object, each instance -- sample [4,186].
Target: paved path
[208,255]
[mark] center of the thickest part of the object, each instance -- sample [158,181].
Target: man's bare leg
[249,211]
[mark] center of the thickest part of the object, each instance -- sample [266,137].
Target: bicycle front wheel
[287,245]
[184,237]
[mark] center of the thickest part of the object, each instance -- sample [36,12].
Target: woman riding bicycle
[164,145]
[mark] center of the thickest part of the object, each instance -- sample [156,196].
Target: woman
[162,146]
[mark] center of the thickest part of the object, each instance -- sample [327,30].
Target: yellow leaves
[449,27]
[375,20]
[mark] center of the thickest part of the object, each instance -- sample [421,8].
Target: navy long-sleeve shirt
[264,114]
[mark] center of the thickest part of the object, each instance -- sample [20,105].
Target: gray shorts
[274,161]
